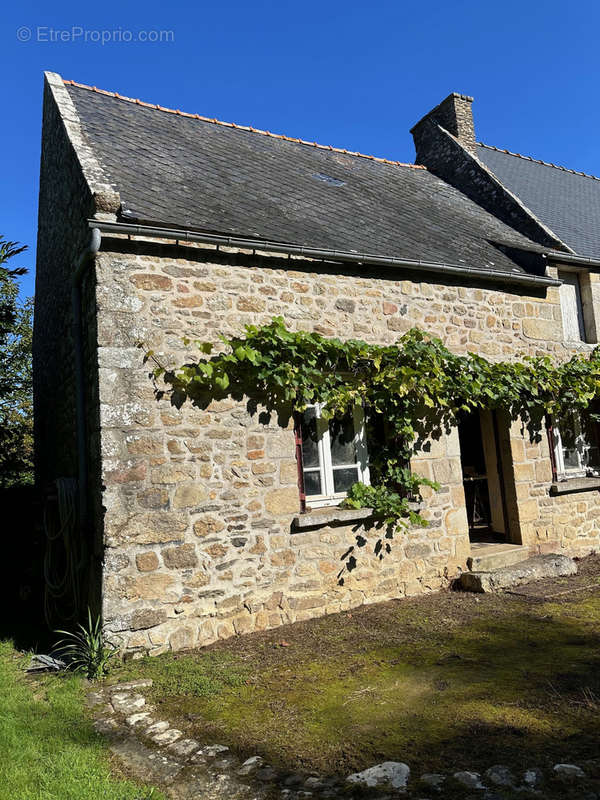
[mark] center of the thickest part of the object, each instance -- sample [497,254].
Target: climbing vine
[412,391]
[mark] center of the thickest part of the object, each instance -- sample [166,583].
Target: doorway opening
[482,477]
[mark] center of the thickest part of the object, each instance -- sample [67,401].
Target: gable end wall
[65,202]
[69,195]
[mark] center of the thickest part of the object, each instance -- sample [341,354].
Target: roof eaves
[486,274]
[571,258]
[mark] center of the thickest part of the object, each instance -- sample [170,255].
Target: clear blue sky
[352,74]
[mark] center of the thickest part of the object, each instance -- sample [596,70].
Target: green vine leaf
[416,390]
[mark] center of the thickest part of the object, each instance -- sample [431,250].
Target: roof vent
[328,179]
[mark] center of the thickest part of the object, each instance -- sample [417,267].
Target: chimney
[445,144]
[455,115]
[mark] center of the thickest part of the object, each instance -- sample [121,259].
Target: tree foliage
[417,388]
[16,402]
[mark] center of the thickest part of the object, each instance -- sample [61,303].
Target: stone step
[533,569]
[487,557]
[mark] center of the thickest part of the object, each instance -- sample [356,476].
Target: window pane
[312,483]
[572,441]
[590,434]
[344,478]
[310,448]
[571,458]
[341,433]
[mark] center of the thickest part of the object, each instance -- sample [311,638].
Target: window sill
[332,515]
[572,485]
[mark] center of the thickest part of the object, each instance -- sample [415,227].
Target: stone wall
[454,114]
[64,204]
[551,523]
[72,188]
[198,505]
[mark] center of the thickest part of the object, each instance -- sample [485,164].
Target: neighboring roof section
[189,172]
[566,201]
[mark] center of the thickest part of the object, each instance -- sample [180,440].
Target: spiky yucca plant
[87,650]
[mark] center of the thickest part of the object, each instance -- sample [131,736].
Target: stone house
[155,225]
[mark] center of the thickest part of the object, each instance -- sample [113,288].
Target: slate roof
[189,172]
[566,201]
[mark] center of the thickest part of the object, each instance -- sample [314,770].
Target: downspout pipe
[83,262]
[458,271]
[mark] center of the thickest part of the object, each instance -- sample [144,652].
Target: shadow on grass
[517,683]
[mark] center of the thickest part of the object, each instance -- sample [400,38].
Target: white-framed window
[334,455]
[571,306]
[576,452]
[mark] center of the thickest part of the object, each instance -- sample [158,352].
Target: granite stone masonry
[200,503]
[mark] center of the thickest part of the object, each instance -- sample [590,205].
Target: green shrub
[87,650]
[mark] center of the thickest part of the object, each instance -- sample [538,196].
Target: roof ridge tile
[248,128]
[538,161]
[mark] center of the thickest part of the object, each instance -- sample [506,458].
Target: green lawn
[444,682]
[48,748]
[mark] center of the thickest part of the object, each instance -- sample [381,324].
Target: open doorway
[482,477]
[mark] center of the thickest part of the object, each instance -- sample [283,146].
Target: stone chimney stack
[455,115]
[445,144]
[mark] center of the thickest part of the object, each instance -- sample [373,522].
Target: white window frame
[572,308]
[582,448]
[329,497]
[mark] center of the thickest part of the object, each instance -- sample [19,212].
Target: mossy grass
[447,681]
[176,675]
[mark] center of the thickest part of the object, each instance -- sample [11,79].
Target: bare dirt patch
[444,682]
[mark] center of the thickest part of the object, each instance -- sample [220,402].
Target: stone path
[158,754]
